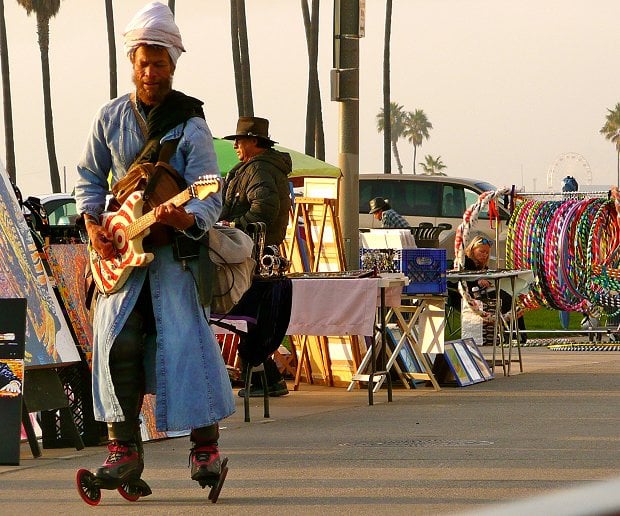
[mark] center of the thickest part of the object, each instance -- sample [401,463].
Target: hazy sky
[510,87]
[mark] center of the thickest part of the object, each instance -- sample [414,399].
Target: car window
[453,201]
[409,198]
[62,215]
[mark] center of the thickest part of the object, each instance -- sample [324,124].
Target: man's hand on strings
[100,240]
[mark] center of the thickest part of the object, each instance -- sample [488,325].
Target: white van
[431,199]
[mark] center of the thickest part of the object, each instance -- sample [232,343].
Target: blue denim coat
[185,369]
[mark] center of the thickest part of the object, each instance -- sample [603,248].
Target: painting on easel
[48,339]
[67,263]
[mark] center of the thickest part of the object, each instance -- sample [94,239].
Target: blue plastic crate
[426,270]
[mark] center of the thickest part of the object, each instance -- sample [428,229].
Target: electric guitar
[128,228]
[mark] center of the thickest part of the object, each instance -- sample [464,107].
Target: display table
[420,325]
[513,282]
[329,305]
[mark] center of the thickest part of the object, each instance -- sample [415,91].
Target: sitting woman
[477,255]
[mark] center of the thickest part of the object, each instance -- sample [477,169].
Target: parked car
[60,209]
[431,199]
[52,218]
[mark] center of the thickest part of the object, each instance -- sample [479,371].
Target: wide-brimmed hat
[378,204]
[252,127]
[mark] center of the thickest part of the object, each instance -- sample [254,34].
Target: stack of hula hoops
[573,248]
[571,244]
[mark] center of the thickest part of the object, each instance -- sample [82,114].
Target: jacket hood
[281,160]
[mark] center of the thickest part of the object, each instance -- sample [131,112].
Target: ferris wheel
[568,164]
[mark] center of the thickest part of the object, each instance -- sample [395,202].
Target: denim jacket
[185,369]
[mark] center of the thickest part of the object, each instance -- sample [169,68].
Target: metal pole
[345,89]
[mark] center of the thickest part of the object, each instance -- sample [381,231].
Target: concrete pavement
[325,451]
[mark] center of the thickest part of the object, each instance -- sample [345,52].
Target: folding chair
[229,330]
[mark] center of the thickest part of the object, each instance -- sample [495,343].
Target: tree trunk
[234,36]
[310,105]
[415,152]
[241,58]
[397,157]
[109,15]
[244,56]
[6,99]
[387,122]
[43,30]
[315,139]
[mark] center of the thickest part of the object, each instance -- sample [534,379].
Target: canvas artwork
[407,359]
[11,378]
[456,366]
[67,263]
[468,362]
[22,275]
[478,357]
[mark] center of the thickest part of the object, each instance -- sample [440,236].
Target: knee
[129,344]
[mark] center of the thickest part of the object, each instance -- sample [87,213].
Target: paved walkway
[325,451]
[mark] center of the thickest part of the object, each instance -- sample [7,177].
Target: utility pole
[349,18]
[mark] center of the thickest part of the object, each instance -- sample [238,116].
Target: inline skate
[121,471]
[208,469]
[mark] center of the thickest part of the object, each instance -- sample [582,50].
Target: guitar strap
[164,182]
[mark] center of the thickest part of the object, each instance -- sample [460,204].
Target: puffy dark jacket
[258,191]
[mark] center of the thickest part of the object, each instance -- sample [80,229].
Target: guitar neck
[146,221]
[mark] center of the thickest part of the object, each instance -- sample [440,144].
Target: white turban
[154,25]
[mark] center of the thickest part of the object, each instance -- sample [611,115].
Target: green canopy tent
[303,165]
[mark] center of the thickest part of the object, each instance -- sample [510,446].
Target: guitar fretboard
[142,223]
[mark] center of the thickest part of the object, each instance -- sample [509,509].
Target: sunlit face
[152,74]
[378,214]
[480,254]
[246,148]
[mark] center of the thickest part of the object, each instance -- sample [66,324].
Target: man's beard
[153,97]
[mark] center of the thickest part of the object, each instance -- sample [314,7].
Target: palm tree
[44,10]
[241,57]
[6,99]
[387,126]
[315,137]
[109,16]
[397,123]
[611,131]
[416,130]
[433,166]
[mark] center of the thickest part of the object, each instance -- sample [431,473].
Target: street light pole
[348,28]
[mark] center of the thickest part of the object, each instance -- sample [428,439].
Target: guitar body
[110,275]
[128,227]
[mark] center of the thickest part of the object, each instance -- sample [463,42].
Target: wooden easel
[409,336]
[323,235]
[320,249]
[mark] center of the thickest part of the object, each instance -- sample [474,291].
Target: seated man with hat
[256,190]
[390,219]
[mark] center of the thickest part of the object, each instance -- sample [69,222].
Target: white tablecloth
[333,306]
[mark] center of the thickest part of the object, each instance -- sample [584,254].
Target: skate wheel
[215,490]
[134,489]
[128,492]
[87,487]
